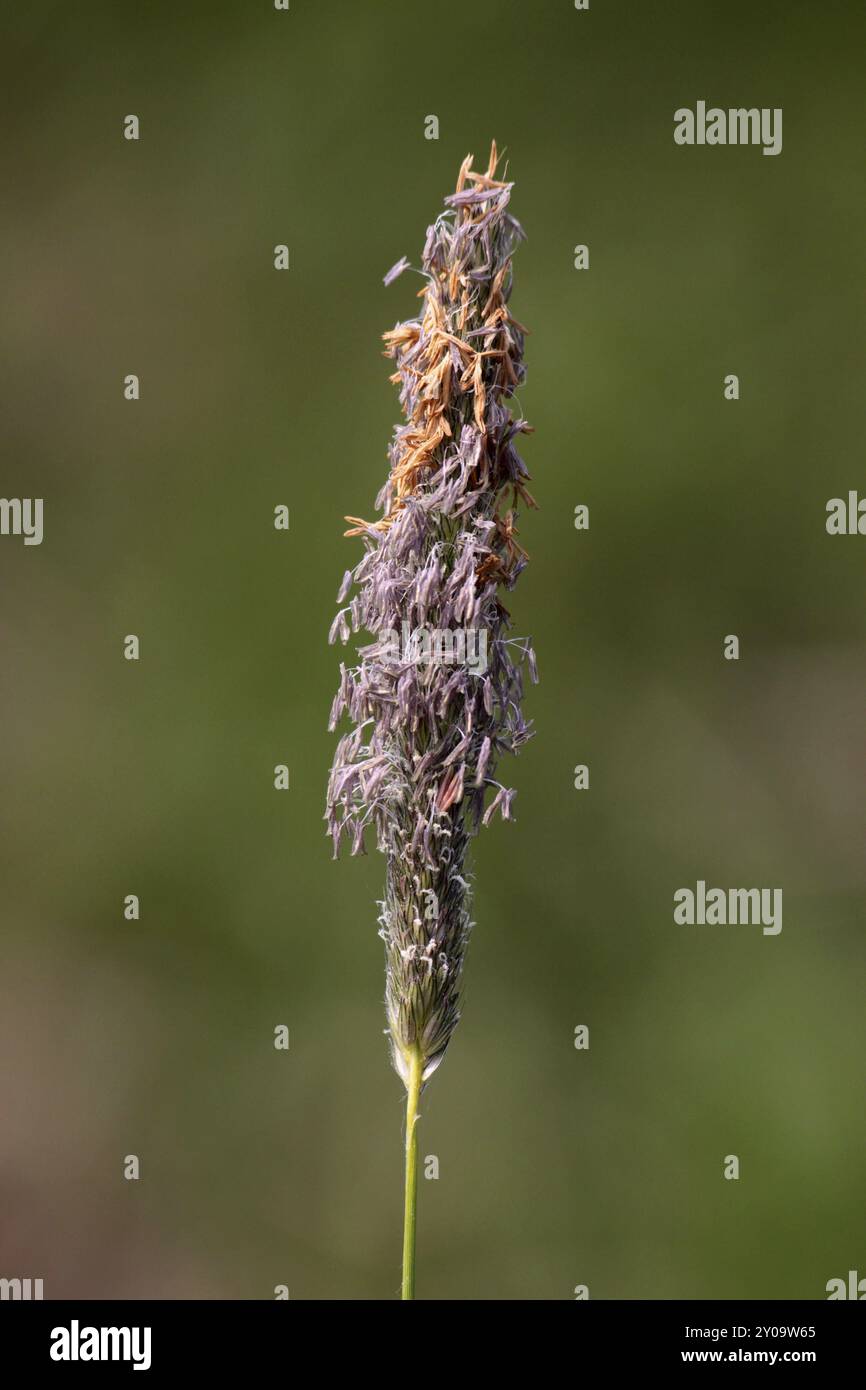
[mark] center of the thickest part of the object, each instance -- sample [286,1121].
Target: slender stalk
[413,1092]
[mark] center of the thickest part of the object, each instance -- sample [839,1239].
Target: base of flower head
[425,925]
[402,1063]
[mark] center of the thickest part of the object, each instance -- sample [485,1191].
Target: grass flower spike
[436,698]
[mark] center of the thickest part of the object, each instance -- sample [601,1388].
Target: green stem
[413,1092]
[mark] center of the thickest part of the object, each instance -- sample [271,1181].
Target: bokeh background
[557,1167]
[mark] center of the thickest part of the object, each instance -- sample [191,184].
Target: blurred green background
[557,1167]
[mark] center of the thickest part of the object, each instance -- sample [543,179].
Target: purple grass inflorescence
[436,698]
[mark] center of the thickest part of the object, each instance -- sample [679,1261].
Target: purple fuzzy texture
[418,767]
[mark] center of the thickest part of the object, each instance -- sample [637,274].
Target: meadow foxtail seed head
[431,718]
